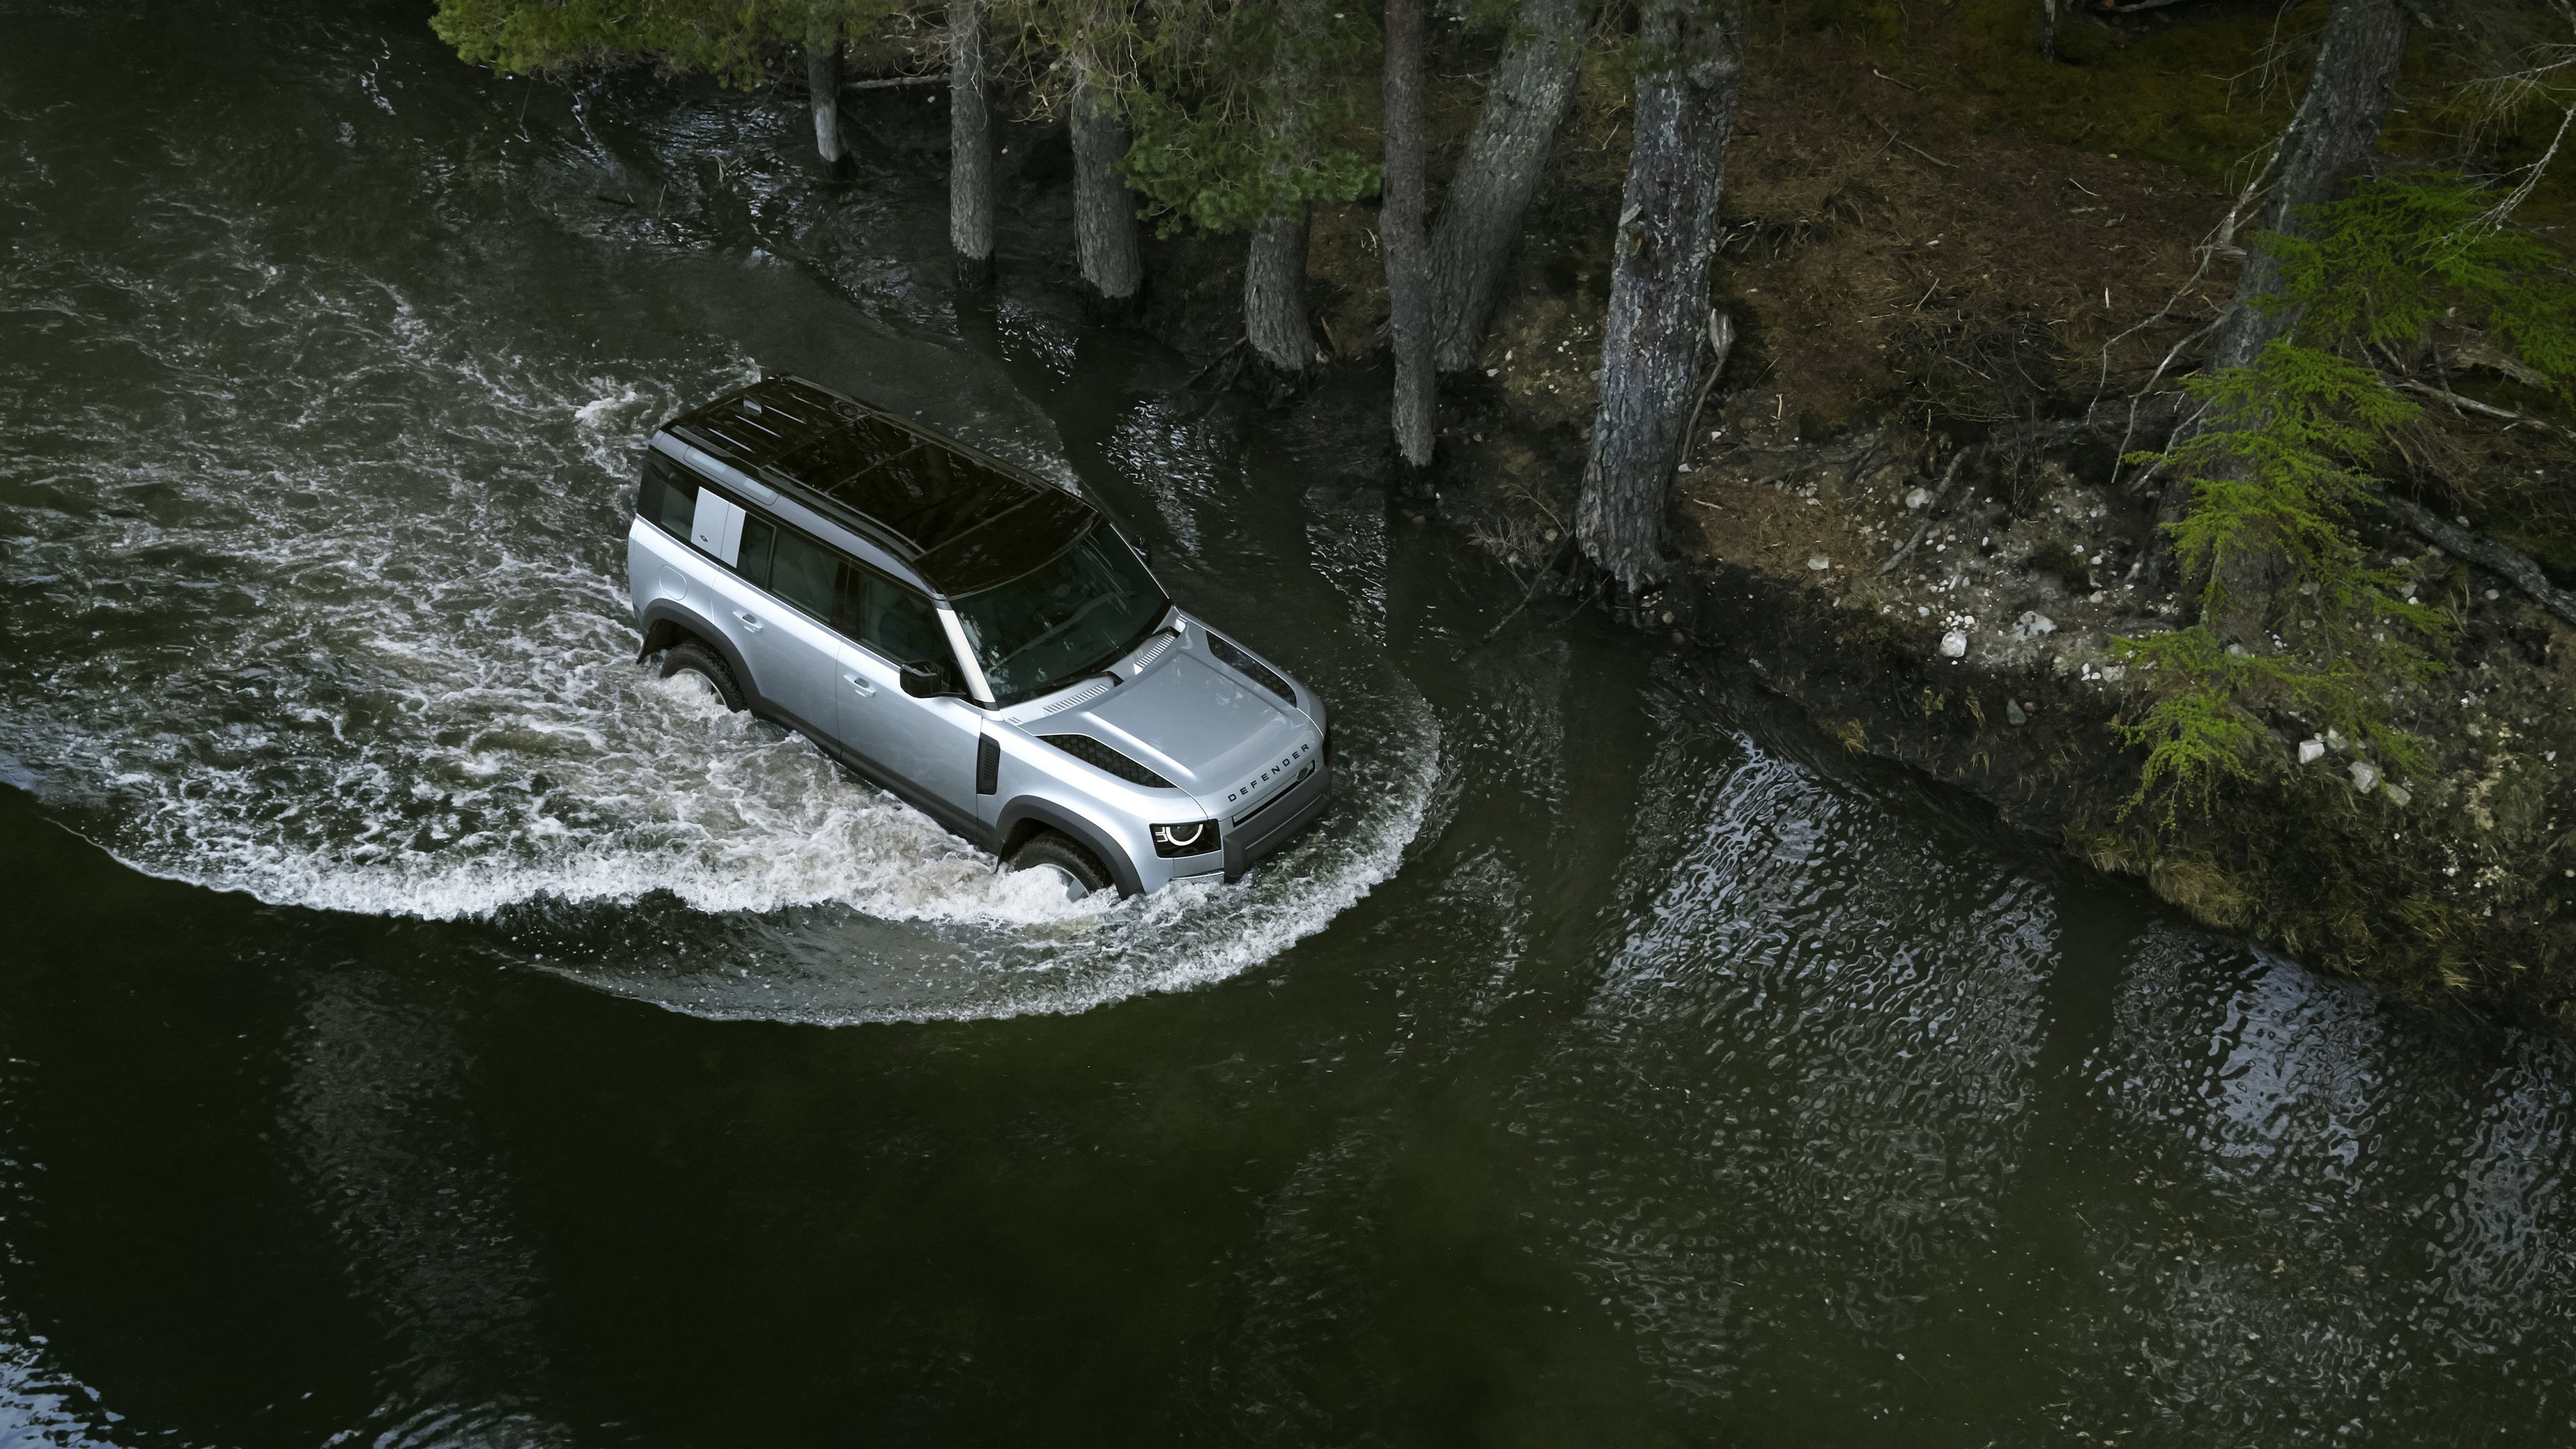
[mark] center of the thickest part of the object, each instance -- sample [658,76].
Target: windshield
[1066,618]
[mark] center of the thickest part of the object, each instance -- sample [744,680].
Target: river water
[420,1026]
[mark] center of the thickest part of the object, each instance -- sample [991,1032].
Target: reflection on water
[434,1055]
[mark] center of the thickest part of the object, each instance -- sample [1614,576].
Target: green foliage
[2278,467]
[2275,475]
[2405,255]
[732,40]
[1235,106]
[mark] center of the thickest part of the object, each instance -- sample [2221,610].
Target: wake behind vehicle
[983,643]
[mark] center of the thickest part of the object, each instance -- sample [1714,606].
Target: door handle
[862,685]
[748,622]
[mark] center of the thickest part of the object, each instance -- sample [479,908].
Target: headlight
[1195,837]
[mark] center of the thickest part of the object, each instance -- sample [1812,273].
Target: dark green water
[419,1027]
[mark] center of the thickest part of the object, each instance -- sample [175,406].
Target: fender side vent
[1251,668]
[1092,752]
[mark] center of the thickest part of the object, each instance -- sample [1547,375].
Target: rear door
[926,747]
[789,639]
[771,606]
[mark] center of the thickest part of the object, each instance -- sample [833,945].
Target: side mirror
[921,681]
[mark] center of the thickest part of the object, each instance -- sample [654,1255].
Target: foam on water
[322,582]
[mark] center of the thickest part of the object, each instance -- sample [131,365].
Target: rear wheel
[699,662]
[1056,853]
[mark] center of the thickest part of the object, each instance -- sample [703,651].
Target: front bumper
[1295,808]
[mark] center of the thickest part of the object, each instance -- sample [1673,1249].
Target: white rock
[2334,741]
[2311,751]
[2397,795]
[1954,645]
[2115,673]
[2032,624]
[1917,497]
[2365,776]
[2014,713]
[1819,563]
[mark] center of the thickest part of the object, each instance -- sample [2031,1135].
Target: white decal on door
[717,525]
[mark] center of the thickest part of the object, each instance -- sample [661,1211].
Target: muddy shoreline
[1942,605]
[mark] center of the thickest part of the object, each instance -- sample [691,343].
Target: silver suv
[983,643]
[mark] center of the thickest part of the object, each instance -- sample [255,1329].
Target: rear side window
[895,622]
[669,497]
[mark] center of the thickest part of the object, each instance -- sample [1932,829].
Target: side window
[752,562]
[801,571]
[669,497]
[895,622]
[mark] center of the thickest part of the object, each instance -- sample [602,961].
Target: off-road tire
[691,657]
[1055,848]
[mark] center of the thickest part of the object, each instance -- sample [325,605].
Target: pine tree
[2292,616]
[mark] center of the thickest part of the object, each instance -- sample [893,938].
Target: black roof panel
[966,520]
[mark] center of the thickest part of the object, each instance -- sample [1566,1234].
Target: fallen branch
[2498,558]
[1528,594]
[1910,146]
[1721,340]
[1947,474]
[2458,403]
[937,77]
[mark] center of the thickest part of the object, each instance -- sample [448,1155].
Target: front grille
[1282,793]
[1092,752]
[1251,668]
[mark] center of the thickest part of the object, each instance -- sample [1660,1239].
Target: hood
[1196,725]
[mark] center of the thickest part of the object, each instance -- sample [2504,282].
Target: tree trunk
[2329,142]
[970,143]
[1104,211]
[1650,358]
[1274,294]
[823,79]
[1499,173]
[1274,269]
[1400,237]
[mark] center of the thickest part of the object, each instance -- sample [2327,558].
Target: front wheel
[704,665]
[1054,852]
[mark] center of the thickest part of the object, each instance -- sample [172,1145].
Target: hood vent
[1082,696]
[1249,667]
[1092,752]
[1154,649]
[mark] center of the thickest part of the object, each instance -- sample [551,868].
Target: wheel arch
[667,623]
[1026,815]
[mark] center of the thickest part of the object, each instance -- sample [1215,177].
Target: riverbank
[1910,284]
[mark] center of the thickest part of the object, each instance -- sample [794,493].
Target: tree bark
[1498,174]
[2329,142]
[970,142]
[1401,239]
[1274,293]
[1650,345]
[1274,269]
[1104,210]
[823,79]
